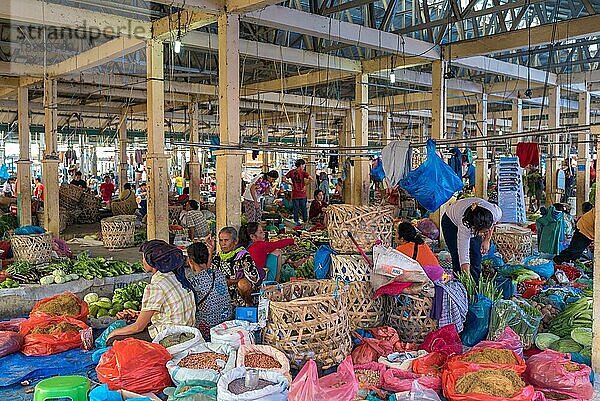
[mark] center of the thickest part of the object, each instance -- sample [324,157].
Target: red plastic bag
[48,344]
[547,371]
[457,362]
[397,380]
[10,342]
[83,312]
[445,341]
[374,366]
[370,349]
[507,340]
[431,364]
[532,288]
[450,377]
[135,365]
[339,386]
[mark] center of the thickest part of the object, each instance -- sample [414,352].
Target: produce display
[577,314]
[175,339]
[203,360]
[368,376]
[63,327]
[63,305]
[8,223]
[129,297]
[238,386]
[485,287]
[496,382]
[260,361]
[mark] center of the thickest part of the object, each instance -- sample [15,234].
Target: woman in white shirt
[468,225]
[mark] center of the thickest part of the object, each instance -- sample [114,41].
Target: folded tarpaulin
[396,159]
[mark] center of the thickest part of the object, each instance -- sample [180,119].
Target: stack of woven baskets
[77,206]
[367,225]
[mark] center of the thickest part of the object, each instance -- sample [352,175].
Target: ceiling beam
[331,29]
[391,62]
[540,35]
[296,81]
[167,28]
[498,67]
[245,6]
[208,6]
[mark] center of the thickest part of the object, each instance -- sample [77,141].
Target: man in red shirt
[107,189]
[298,177]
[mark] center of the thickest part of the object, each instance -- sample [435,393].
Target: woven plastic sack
[278,391]
[48,344]
[179,374]
[179,348]
[478,321]
[267,350]
[84,310]
[445,341]
[10,342]
[523,318]
[339,386]
[450,378]
[234,333]
[135,365]
[433,183]
[397,380]
[547,370]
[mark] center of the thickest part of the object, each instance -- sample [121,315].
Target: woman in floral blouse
[255,192]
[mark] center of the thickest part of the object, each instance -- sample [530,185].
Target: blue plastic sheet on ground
[17,367]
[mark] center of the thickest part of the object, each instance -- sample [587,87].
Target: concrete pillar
[229,163]
[482,163]
[195,169]
[387,128]
[345,140]
[553,159]
[123,150]
[157,168]
[438,120]
[264,131]
[516,122]
[24,163]
[361,179]
[311,165]
[462,125]
[50,162]
[583,153]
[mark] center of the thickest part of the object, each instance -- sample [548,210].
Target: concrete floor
[81,230]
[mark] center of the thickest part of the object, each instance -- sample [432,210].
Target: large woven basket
[90,209]
[70,195]
[409,315]
[33,248]
[118,232]
[366,223]
[124,207]
[350,268]
[65,219]
[513,242]
[174,213]
[308,319]
[363,310]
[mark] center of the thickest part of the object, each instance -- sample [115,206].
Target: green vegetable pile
[8,223]
[8,283]
[129,297]
[306,269]
[577,314]
[485,287]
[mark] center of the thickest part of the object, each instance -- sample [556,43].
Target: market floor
[81,230]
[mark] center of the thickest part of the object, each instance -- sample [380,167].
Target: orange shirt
[425,255]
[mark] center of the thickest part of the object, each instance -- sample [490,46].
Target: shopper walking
[298,177]
[254,193]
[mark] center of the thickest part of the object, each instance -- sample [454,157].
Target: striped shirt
[173,304]
[196,219]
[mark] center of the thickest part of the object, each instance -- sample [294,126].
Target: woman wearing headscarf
[169,298]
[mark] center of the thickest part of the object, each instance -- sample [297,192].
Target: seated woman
[213,302]
[235,262]
[168,300]
[316,213]
[127,193]
[412,245]
[252,236]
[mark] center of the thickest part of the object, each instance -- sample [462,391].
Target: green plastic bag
[193,390]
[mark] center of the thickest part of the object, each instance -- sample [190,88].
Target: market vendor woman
[468,225]
[168,300]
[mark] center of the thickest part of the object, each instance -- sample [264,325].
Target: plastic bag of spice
[10,342]
[397,380]
[493,358]
[507,340]
[135,365]
[551,370]
[430,364]
[51,335]
[65,304]
[339,386]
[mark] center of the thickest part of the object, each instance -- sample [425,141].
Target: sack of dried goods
[51,335]
[234,333]
[263,357]
[493,358]
[397,380]
[177,339]
[270,386]
[65,304]
[339,386]
[206,361]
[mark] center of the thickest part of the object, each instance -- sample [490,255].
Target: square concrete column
[438,119]
[195,169]
[345,140]
[24,163]
[51,162]
[482,163]
[583,153]
[361,179]
[554,158]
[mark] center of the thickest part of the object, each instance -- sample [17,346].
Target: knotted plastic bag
[432,183]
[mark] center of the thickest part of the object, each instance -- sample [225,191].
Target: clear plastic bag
[523,318]
[419,392]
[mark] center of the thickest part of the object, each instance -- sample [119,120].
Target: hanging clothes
[139,158]
[334,162]
[377,172]
[396,158]
[452,304]
[469,154]
[528,154]
[551,229]
[455,161]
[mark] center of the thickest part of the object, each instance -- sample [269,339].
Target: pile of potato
[548,313]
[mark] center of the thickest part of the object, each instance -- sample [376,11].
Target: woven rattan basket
[409,315]
[124,207]
[513,242]
[64,221]
[350,268]
[33,248]
[118,232]
[308,319]
[174,213]
[366,223]
[363,310]
[70,195]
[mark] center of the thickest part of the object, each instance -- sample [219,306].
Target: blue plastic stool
[271,266]
[73,387]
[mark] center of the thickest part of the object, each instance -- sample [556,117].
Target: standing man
[107,189]
[298,177]
[77,180]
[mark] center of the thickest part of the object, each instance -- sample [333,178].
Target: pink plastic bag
[547,371]
[378,367]
[508,339]
[339,386]
[445,341]
[397,380]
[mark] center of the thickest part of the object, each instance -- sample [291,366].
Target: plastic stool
[73,387]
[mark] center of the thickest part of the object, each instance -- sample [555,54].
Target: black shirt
[79,183]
